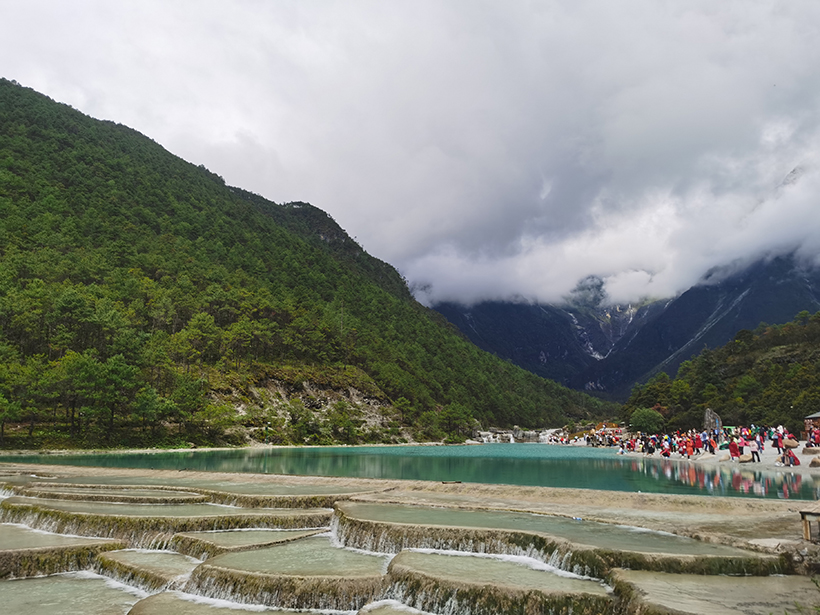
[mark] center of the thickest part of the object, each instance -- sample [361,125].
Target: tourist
[734,453]
[788,458]
[712,445]
[753,449]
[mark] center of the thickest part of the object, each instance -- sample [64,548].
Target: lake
[512,464]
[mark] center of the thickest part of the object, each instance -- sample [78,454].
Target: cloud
[488,150]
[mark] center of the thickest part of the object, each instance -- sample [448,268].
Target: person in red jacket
[734,452]
[788,458]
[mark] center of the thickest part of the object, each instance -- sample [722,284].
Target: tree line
[769,376]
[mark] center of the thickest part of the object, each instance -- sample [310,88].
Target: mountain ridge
[657,336]
[144,301]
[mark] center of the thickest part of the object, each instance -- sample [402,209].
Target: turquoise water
[514,464]
[314,556]
[601,535]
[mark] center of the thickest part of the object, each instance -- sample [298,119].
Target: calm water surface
[514,464]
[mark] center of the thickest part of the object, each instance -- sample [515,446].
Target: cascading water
[147,569]
[447,560]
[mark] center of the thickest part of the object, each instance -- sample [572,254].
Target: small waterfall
[151,575]
[449,596]
[381,537]
[21,563]
[512,440]
[144,532]
[285,592]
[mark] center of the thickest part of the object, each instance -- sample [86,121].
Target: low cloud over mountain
[488,150]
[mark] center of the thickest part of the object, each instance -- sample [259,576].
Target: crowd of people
[736,441]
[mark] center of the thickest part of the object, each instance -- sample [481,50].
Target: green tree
[455,420]
[9,413]
[647,420]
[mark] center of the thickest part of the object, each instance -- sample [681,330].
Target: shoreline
[768,457]
[767,463]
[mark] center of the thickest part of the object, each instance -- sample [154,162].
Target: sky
[498,150]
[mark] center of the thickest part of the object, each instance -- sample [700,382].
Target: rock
[789,443]
[745,458]
[724,458]
[711,420]
[811,450]
[815,462]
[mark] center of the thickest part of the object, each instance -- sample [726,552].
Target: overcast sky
[488,150]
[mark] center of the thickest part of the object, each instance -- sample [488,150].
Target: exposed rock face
[589,344]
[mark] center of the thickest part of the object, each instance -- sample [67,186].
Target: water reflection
[515,464]
[727,480]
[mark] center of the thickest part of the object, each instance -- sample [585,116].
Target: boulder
[789,443]
[724,458]
[745,458]
[811,450]
[815,462]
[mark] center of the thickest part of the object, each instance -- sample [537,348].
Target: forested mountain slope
[768,376]
[144,301]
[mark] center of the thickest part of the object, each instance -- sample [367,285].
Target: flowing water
[233,486]
[494,571]
[157,510]
[390,607]
[248,538]
[165,564]
[314,556]
[101,492]
[602,535]
[15,536]
[505,562]
[719,595]
[180,603]
[515,464]
[81,593]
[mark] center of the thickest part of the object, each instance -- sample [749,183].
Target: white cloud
[486,149]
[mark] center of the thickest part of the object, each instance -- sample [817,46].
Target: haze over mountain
[487,150]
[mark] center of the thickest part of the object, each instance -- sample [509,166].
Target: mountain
[588,345]
[769,376]
[143,301]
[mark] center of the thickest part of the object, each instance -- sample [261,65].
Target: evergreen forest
[143,302]
[769,376]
